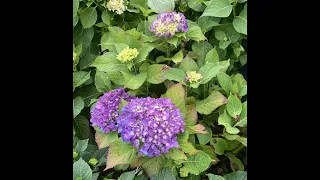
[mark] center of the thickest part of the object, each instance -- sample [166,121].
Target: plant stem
[234,8]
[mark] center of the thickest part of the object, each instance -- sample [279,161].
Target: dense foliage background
[214,145]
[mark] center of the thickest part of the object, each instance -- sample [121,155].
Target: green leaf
[218,8]
[235,163]
[214,177]
[187,147]
[134,33]
[220,146]
[178,97]
[214,100]
[81,169]
[206,23]
[118,35]
[212,56]
[175,74]
[144,51]
[142,3]
[177,57]
[176,154]
[224,80]
[87,93]
[156,73]
[224,44]
[108,63]
[75,7]
[210,151]
[243,91]
[234,106]
[78,105]
[239,80]
[240,22]
[161,59]
[144,67]
[116,77]
[243,59]
[164,174]
[161,6]
[210,70]
[152,165]
[173,40]
[82,36]
[127,175]
[205,138]
[230,137]
[101,156]
[196,5]
[88,17]
[199,128]
[134,81]
[225,120]
[120,153]
[106,17]
[105,139]
[232,34]
[239,175]
[119,47]
[75,21]
[198,163]
[201,48]
[242,140]
[81,126]
[187,65]
[220,35]
[244,111]
[81,145]
[80,77]
[194,32]
[191,116]
[102,82]
[95,176]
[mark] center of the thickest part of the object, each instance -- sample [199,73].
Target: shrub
[157,89]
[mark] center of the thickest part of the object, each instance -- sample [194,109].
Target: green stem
[234,8]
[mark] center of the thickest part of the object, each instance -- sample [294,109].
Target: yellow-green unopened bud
[194,77]
[75,154]
[127,54]
[75,56]
[79,178]
[93,161]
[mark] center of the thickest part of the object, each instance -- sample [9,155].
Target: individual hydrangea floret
[106,110]
[118,6]
[193,77]
[167,24]
[127,54]
[151,125]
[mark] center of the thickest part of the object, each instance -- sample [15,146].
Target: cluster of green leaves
[214,109]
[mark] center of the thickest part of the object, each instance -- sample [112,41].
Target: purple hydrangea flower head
[167,24]
[105,112]
[151,125]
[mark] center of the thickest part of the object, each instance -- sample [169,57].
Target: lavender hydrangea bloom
[167,24]
[151,125]
[105,112]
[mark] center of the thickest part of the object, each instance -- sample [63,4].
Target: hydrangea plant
[158,92]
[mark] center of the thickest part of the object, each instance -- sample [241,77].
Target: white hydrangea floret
[117,6]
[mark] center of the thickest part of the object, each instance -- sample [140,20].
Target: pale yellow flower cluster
[117,6]
[74,56]
[127,54]
[194,77]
